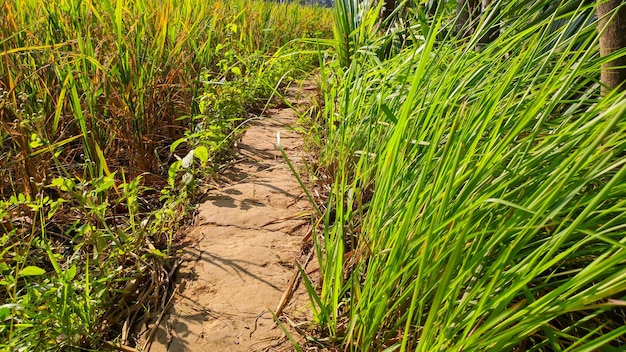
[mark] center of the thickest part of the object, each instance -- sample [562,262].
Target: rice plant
[479,193]
[100,102]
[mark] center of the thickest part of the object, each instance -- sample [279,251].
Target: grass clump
[109,112]
[478,197]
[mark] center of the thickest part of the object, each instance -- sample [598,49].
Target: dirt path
[247,237]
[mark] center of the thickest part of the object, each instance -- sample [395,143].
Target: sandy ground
[244,244]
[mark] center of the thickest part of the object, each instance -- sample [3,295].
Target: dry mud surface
[247,236]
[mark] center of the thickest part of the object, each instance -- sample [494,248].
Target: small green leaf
[32,271]
[5,310]
[236,70]
[71,273]
[35,142]
[57,182]
[172,172]
[177,143]
[202,154]
[64,184]
[158,253]
[105,184]
[4,313]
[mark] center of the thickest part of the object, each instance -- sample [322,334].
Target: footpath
[246,238]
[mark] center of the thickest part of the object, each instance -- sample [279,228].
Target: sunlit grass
[496,179]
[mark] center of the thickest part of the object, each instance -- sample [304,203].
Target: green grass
[478,201]
[111,112]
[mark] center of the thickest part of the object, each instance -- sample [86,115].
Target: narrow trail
[246,238]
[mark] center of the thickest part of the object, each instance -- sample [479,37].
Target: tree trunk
[612,27]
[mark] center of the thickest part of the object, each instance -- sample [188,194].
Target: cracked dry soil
[247,237]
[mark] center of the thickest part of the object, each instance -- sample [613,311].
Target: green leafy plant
[478,196]
[111,112]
